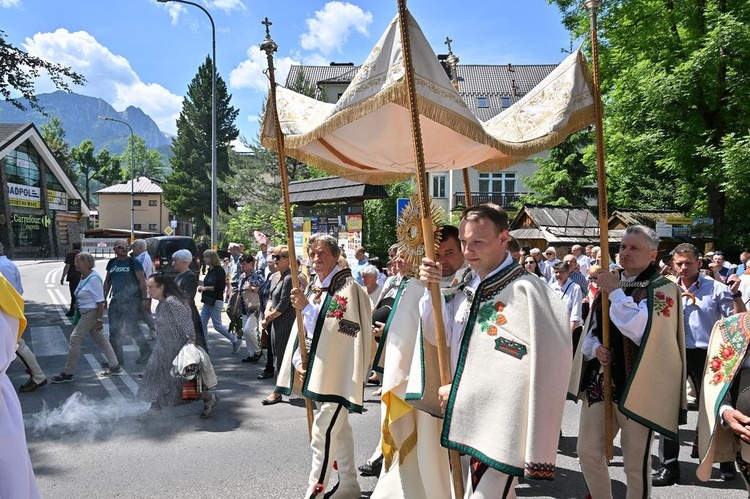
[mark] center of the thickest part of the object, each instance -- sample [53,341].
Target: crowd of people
[677,331]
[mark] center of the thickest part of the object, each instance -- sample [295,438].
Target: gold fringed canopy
[366,135]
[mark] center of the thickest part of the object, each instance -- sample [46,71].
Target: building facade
[41,212]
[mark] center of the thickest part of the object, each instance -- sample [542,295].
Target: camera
[705,264]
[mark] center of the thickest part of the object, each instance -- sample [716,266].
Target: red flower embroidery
[337,307]
[718,378]
[721,363]
[727,352]
[501,319]
[492,331]
[716,364]
[499,306]
[663,304]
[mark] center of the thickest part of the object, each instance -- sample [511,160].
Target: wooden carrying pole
[269,47]
[453,63]
[593,7]
[428,231]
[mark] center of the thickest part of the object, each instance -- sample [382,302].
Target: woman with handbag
[187,281]
[212,297]
[280,317]
[174,327]
[88,319]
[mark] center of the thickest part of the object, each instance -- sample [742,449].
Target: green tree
[565,177]
[675,87]
[188,189]
[148,162]
[19,70]
[379,221]
[102,167]
[53,134]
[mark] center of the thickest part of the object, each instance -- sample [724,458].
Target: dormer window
[482,102]
[505,101]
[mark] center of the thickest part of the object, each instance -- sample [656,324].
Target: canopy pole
[269,47]
[593,8]
[428,231]
[453,64]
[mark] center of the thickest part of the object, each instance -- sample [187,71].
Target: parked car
[161,249]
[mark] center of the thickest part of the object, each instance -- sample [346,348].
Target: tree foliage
[144,161]
[19,70]
[187,190]
[565,177]
[102,167]
[379,231]
[53,134]
[675,87]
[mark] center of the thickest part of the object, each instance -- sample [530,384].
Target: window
[438,186]
[152,227]
[23,165]
[152,202]
[497,182]
[505,101]
[136,226]
[482,102]
[136,202]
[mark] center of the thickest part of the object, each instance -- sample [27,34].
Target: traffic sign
[169,231]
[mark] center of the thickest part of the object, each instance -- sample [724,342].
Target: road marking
[106,382]
[57,299]
[48,341]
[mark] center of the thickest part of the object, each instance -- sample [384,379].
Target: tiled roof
[8,131]
[142,185]
[641,217]
[320,190]
[494,82]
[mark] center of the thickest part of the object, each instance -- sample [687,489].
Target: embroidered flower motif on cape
[721,363]
[490,317]
[663,304]
[337,307]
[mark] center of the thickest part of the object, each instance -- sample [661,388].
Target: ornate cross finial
[267,24]
[448,42]
[268,46]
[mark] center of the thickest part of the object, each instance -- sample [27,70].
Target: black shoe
[70,313]
[727,471]
[31,386]
[270,401]
[265,375]
[253,358]
[371,469]
[665,476]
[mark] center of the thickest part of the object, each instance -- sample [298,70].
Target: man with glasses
[126,280]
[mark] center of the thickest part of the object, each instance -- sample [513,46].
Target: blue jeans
[214,313]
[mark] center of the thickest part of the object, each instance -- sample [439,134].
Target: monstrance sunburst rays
[409,230]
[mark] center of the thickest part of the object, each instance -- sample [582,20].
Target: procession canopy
[366,135]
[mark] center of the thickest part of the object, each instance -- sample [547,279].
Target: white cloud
[7,4]
[249,73]
[228,5]
[108,76]
[330,28]
[175,11]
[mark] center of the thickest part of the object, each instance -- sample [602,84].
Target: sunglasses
[278,257]
[529,261]
[121,247]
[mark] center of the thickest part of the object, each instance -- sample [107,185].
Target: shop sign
[57,200]
[74,205]
[31,222]
[24,196]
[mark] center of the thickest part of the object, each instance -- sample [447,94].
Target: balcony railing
[503,199]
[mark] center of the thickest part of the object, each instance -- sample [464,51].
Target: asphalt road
[85,442]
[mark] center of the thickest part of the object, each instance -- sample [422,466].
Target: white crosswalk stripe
[107,383]
[48,341]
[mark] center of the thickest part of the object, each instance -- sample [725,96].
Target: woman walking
[187,281]
[212,297]
[280,318]
[89,300]
[174,328]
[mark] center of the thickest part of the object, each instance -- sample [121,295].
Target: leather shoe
[31,385]
[727,471]
[252,358]
[265,375]
[665,476]
[268,401]
[371,469]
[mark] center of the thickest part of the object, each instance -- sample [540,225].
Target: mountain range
[80,119]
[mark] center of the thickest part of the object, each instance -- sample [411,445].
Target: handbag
[190,390]
[76,317]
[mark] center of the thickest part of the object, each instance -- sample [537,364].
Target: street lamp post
[214,172]
[132,174]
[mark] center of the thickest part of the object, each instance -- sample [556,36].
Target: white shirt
[455,313]
[148,266]
[311,311]
[629,317]
[572,296]
[584,263]
[90,291]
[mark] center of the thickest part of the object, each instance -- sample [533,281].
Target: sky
[144,53]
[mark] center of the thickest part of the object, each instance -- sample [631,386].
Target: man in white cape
[16,474]
[509,342]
